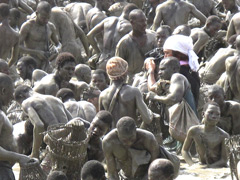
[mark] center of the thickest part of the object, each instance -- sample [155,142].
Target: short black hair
[28,60]
[65,94]
[93,168]
[15,12]
[126,125]
[21,89]
[105,116]
[100,71]
[64,57]
[209,103]
[4,10]
[57,175]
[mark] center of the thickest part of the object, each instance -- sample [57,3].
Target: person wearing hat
[121,99]
[181,47]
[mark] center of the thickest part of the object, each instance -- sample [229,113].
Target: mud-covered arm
[110,160]
[92,34]
[186,147]
[158,18]
[80,33]
[37,130]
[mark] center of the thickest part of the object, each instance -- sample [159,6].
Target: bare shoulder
[234,106]
[110,138]
[195,130]
[51,26]
[222,134]
[145,135]
[28,24]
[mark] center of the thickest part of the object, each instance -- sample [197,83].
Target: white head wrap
[183,44]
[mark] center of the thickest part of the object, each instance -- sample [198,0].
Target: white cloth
[183,44]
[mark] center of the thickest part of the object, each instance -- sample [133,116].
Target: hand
[150,64]
[23,159]
[150,95]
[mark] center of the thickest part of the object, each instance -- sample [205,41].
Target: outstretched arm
[80,33]
[14,54]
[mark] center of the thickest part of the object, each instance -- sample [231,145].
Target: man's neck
[98,5]
[5,22]
[210,128]
[137,35]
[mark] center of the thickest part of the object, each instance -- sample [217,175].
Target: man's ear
[3,90]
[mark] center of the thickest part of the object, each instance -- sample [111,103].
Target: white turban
[183,44]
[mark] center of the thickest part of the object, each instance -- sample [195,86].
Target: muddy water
[195,172]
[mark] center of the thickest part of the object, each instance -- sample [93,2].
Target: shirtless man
[161,169]
[214,68]
[113,29]
[42,110]
[83,73]
[117,8]
[9,40]
[175,13]
[100,79]
[231,8]
[68,36]
[133,149]
[82,109]
[36,34]
[209,139]
[134,45]
[231,86]
[8,145]
[78,12]
[207,7]
[234,26]
[229,119]
[25,67]
[121,99]
[179,85]
[96,15]
[51,83]
[201,36]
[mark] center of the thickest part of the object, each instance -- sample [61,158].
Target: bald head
[43,6]
[161,169]
[83,73]
[135,14]
[4,67]
[126,125]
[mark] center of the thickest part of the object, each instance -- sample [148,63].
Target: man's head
[91,95]
[105,4]
[14,17]
[163,32]
[167,67]
[43,12]
[65,63]
[161,169]
[101,124]
[57,175]
[213,25]
[25,67]
[117,68]
[229,4]
[127,131]
[216,94]
[100,79]
[6,89]
[182,29]
[211,113]
[127,9]
[4,11]
[22,92]
[83,73]
[65,94]
[138,21]
[4,67]
[93,170]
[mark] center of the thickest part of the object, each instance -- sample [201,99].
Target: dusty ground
[195,172]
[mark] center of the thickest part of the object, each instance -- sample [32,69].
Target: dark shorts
[6,172]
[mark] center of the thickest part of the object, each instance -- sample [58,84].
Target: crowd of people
[117,89]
